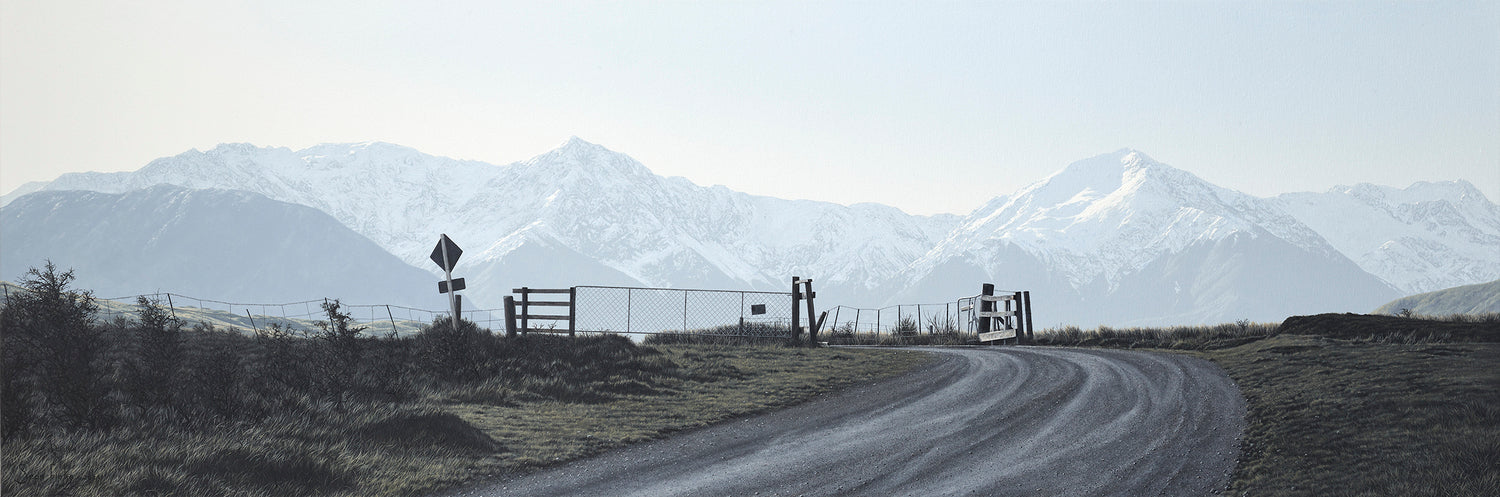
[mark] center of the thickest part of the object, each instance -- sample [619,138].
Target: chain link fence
[709,313]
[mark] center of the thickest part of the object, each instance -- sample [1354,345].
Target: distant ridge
[225,244]
[1479,298]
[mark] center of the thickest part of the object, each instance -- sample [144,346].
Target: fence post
[1030,336]
[171,306]
[796,310]
[525,310]
[919,320]
[985,306]
[836,318]
[510,316]
[627,310]
[812,320]
[572,310]
[389,315]
[856,319]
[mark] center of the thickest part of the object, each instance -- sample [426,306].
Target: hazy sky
[928,106]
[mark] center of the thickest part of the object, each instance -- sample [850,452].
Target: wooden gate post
[812,321]
[510,316]
[572,310]
[525,311]
[1019,318]
[796,310]
[985,306]
[1030,337]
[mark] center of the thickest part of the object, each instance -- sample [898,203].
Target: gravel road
[979,421]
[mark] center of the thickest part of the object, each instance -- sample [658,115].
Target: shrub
[53,350]
[151,374]
[338,353]
[453,355]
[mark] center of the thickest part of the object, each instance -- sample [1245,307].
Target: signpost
[445,254]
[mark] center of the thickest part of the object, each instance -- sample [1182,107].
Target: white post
[448,273]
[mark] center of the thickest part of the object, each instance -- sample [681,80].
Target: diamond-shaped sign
[446,245]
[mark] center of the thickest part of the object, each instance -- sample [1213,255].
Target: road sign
[458,284]
[446,253]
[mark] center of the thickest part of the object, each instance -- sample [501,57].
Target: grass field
[1352,405]
[450,437]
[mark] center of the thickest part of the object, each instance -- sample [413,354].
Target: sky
[931,107]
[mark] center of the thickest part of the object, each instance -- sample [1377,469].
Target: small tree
[152,371]
[51,340]
[340,349]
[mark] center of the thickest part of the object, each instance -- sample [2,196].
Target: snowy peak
[1103,217]
[1425,237]
[581,157]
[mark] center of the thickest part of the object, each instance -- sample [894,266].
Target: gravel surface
[979,421]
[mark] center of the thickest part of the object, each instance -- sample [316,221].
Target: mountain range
[1118,238]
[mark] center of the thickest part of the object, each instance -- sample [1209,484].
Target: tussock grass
[845,337]
[150,408]
[1174,337]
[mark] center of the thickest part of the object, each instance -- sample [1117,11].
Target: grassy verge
[447,437]
[1341,417]
[1343,404]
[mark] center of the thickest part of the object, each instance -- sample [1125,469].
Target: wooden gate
[1012,323]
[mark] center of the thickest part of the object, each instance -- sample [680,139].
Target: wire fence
[598,309]
[381,319]
[654,311]
[956,316]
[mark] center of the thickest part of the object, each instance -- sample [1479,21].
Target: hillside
[1468,299]
[231,245]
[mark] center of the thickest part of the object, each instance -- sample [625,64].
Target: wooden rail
[524,314]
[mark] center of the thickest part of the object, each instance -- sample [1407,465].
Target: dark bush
[53,353]
[455,355]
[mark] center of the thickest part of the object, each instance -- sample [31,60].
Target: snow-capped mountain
[1426,237]
[1121,238]
[203,243]
[602,212]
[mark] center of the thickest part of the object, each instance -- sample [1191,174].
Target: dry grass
[1342,417]
[1351,405]
[449,435]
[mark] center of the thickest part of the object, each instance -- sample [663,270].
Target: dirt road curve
[990,421]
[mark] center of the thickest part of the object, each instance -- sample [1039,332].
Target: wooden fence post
[812,321]
[1019,318]
[796,310]
[1030,337]
[572,310]
[510,316]
[525,292]
[985,306]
